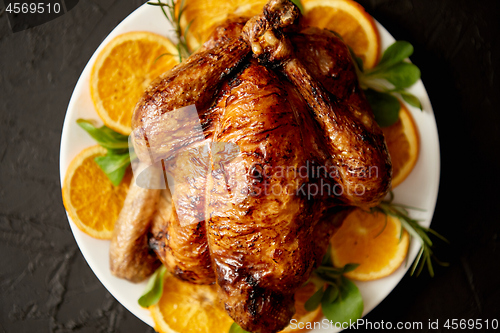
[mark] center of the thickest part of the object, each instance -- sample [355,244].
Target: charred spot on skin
[153,243]
[277,253]
[256,172]
[253,296]
[234,82]
[179,272]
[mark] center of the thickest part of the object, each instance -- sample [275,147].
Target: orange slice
[376,242]
[351,21]
[206,15]
[403,144]
[122,72]
[189,308]
[84,190]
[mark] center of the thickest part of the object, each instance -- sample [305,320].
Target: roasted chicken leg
[130,256]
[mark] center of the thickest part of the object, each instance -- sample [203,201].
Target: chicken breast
[260,223]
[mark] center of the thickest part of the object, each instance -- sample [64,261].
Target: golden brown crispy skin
[181,242]
[130,256]
[259,226]
[162,215]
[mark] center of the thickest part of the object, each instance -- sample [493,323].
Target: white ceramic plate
[418,190]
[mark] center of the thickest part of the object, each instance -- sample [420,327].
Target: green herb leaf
[299,5]
[235,328]
[117,159]
[395,53]
[358,61]
[327,258]
[385,107]
[314,301]
[347,306]
[114,166]
[411,99]
[330,269]
[154,288]
[105,136]
[350,267]
[331,293]
[401,75]
[392,69]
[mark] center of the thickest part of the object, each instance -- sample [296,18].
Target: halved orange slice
[189,308]
[206,15]
[374,241]
[122,72]
[349,19]
[403,144]
[84,190]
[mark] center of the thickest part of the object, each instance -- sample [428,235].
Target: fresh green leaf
[330,269]
[105,136]
[358,60]
[359,63]
[299,5]
[327,258]
[350,267]
[117,159]
[235,328]
[392,69]
[347,306]
[395,53]
[154,288]
[401,75]
[385,107]
[314,301]
[331,293]
[411,99]
[114,166]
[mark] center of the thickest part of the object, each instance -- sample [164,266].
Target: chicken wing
[180,241]
[260,226]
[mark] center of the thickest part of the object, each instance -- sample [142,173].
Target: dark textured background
[46,285]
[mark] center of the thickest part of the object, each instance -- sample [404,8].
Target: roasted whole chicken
[267,142]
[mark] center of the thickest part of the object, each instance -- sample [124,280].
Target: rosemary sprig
[425,255]
[174,17]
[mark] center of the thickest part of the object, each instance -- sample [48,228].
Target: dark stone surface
[45,284]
